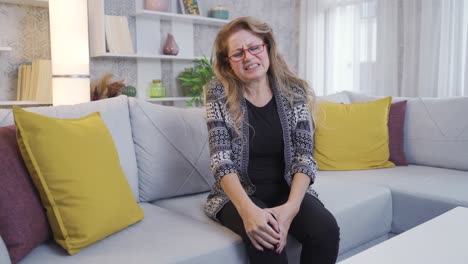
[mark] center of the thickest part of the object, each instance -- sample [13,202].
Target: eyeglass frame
[248,49]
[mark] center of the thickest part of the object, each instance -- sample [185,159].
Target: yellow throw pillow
[352,136]
[75,167]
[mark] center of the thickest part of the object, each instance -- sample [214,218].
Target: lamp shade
[68,91]
[69,51]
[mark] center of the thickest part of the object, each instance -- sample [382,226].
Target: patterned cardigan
[230,152]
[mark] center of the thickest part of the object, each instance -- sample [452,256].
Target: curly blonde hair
[279,71]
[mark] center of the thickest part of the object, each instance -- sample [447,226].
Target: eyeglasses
[254,50]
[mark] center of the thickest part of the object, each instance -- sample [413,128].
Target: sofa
[164,154]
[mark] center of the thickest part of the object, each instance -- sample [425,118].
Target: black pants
[314,227]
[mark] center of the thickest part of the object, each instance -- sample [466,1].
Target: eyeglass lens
[254,50]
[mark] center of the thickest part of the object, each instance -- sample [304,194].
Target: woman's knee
[331,230]
[328,236]
[317,224]
[324,242]
[266,256]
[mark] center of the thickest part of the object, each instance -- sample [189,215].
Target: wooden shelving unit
[147,48]
[179,17]
[168,99]
[40,3]
[146,56]
[23,103]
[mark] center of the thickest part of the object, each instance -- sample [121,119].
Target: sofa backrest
[435,132]
[339,98]
[172,150]
[114,112]
[4,256]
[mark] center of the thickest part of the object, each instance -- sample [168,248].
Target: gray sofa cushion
[4,257]
[172,152]
[192,206]
[339,98]
[419,193]
[436,130]
[161,237]
[114,112]
[363,212]
[359,97]
[189,205]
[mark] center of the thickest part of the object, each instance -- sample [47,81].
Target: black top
[266,146]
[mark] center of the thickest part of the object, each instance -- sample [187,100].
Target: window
[351,35]
[388,47]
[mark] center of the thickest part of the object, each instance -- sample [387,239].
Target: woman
[260,136]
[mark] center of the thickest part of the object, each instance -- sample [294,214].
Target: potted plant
[192,80]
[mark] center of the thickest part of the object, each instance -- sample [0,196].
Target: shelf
[145,56]
[23,103]
[168,99]
[179,17]
[6,49]
[40,3]
[148,42]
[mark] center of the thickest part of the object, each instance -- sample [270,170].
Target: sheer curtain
[434,41]
[312,44]
[385,47]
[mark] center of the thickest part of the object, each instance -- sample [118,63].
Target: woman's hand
[261,228]
[284,214]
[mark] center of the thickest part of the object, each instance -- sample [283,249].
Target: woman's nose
[247,55]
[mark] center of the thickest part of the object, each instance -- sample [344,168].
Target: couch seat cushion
[363,211]
[419,193]
[161,237]
[189,205]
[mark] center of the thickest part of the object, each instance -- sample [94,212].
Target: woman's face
[248,56]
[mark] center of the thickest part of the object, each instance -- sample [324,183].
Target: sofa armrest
[4,256]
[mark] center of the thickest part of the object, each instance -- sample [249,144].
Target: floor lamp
[70,51]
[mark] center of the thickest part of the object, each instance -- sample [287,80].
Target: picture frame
[190,7]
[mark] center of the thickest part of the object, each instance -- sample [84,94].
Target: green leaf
[195,78]
[185,79]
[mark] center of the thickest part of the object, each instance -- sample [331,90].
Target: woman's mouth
[251,66]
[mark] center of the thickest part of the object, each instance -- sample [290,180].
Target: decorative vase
[157,5]
[157,90]
[170,47]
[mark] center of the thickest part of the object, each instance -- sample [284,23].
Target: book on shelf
[118,38]
[43,90]
[19,83]
[26,82]
[35,81]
